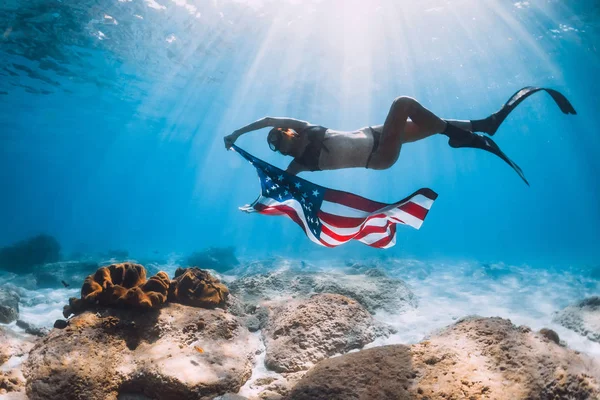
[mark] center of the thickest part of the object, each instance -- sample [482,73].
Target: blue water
[112,117]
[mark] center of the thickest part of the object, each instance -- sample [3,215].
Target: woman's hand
[230,139]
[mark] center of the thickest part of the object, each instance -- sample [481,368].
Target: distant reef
[22,257]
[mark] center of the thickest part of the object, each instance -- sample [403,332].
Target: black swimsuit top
[310,158]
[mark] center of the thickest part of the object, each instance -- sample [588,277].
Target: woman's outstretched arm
[275,122]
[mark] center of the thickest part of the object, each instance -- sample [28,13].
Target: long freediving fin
[477,141]
[493,122]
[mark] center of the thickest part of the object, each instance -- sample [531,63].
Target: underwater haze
[112,120]
[113,115]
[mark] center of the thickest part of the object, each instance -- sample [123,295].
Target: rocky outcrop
[9,306]
[550,335]
[474,358]
[371,288]
[379,373]
[31,328]
[302,332]
[22,257]
[582,317]
[176,351]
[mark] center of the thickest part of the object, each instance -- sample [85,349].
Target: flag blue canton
[281,186]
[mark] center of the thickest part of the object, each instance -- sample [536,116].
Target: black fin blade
[562,102]
[521,94]
[493,148]
[477,141]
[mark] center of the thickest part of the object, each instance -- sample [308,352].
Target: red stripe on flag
[339,221]
[268,210]
[414,209]
[352,200]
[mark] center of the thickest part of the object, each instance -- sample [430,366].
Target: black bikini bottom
[376,137]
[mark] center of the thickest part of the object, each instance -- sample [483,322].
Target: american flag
[332,217]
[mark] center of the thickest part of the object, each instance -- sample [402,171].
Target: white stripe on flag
[421,200]
[344,211]
[408,219]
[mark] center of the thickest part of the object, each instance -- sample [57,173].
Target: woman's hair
[276,135]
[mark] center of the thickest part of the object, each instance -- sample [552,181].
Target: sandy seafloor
[445,292]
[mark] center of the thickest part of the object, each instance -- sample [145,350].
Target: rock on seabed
[301,332]
[176,352]
[582,317]
[476,358]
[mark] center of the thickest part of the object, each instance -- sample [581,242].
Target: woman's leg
[414,132]
[423,124]
[398,130]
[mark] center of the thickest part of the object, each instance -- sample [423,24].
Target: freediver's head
[282,140]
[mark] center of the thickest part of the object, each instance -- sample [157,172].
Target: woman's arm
[274,122]
[254,126]
[295,168]
[295,124]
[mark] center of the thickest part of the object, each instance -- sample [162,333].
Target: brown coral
[91,289]
[157,288]
[125,285]
[111,285]
[198,288]
[122,284]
